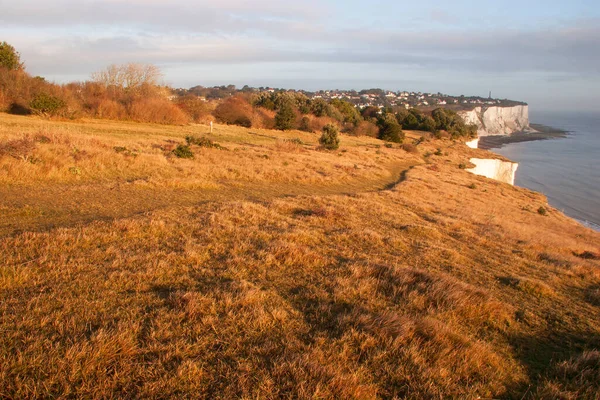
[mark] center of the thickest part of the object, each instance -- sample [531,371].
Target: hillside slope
[274,269]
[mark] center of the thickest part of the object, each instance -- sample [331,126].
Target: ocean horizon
[564,169]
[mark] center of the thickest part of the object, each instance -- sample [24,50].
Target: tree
[390,130]
[320,108]
[348,111]
[130,76]
[285,118]
[330,139]
[370,112]
[10,58]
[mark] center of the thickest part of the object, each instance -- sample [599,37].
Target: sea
[566,170]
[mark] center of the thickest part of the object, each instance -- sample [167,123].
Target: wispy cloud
[67,39]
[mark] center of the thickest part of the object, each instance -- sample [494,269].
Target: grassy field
[273,269]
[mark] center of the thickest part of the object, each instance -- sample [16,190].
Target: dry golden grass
[221,285]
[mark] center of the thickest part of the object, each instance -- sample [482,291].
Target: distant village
[364,98]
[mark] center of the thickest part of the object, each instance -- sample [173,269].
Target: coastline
[538,132]
[556,180]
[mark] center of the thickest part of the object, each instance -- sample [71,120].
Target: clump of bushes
[542,211]
[203,142]
[235,111]
[157,110]
[304,124]
[183,151]
[330,139]
[390,130]
[46,104]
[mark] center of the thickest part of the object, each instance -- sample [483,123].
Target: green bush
[390,131]
[183,151]
[330,139]
[542,211]
[46,104]
[285,118]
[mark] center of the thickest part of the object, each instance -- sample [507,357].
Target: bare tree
[130,76]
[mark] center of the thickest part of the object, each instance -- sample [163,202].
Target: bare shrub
[110,109]
[160,111]
[235,110]
[198,109]
[410,148]
[366,128]
[17,148]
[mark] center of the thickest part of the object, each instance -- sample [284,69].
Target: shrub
[17,148]
[110,109]
[542,211]
[234,111]
[157,110]
[196,108]
[305,124]
[410,148]
[183,151]
[46,104]
[330,139]
[390,130]
[285,118]
[366,128]
[349,113]
[203,142]
[263,118]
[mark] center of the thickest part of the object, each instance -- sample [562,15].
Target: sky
[546,53]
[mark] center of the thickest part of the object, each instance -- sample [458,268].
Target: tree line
[134,92]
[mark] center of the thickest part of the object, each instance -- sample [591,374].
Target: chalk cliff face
[473,143]
[503,171]
[498,120]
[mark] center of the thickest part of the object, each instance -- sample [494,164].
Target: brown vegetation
[272,269]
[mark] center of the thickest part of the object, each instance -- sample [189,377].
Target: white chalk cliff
[503,171]
[474,144]
[498,120]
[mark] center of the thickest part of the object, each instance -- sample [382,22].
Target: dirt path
[51,206]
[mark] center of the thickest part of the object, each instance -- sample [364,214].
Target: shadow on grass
[540,356]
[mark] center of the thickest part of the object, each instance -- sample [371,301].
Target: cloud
[158,16]
[185,32]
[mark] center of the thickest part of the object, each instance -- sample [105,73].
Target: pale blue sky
[544,52]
